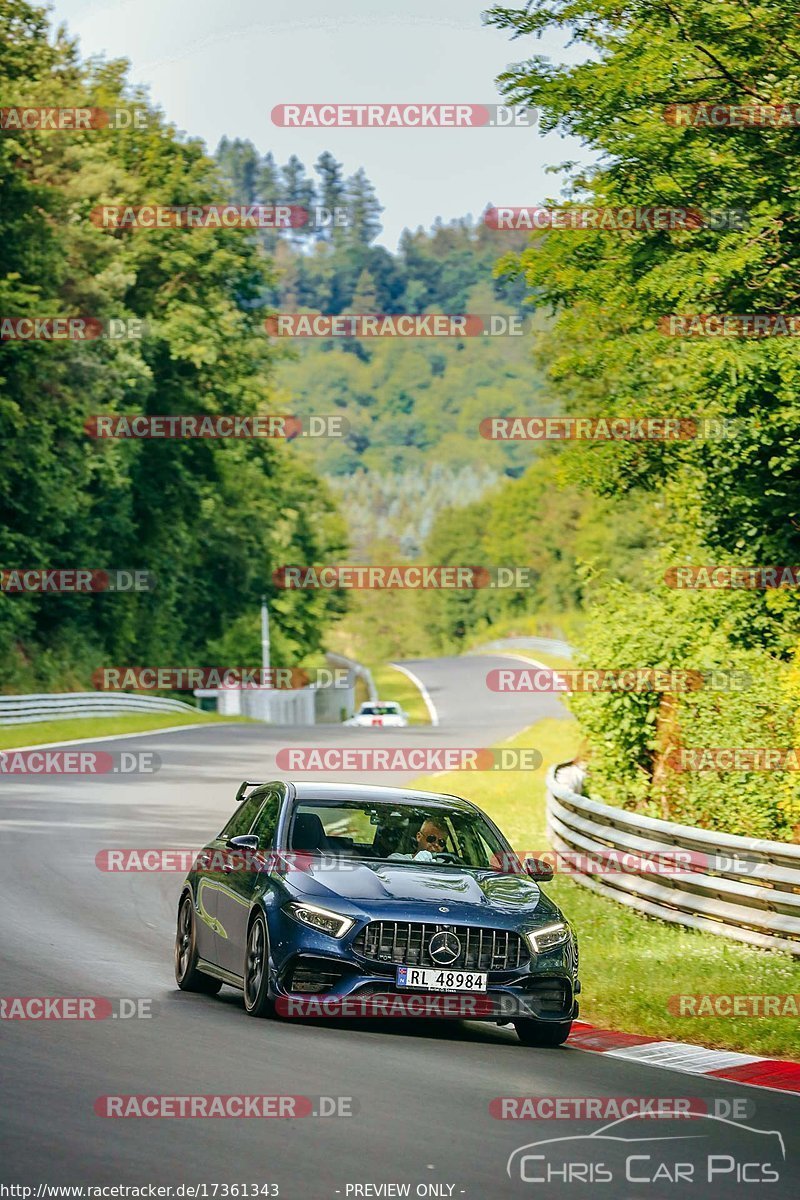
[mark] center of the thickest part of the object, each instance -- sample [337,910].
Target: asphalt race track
[420,1091]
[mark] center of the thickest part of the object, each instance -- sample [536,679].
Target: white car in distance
[380,712]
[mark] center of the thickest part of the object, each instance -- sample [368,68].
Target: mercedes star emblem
[444,948]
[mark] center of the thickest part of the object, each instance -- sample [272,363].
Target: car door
[213,878]
[240,881]
[208,879]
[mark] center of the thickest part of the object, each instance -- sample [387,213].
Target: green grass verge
[394,685]
[93,727]
[630,964]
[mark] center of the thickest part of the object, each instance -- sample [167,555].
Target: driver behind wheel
[431,838]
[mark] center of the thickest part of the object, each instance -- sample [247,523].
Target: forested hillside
[413,405]
[210,519]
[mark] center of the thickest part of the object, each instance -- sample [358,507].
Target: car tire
[257,1001]
[542,1033]
[188,977]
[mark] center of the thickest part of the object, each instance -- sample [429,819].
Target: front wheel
[186,972]
[257,1001]
[542,1033]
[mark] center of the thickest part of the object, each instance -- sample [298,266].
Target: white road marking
[431,707]
[679,1056]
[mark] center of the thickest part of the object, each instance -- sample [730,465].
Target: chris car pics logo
[631,1152]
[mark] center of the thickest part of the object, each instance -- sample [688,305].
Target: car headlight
[547,937]
[322,919]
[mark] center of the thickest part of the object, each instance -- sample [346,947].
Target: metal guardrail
[292,706]
[357,668]
[57,706]
[743,888]
[546,645]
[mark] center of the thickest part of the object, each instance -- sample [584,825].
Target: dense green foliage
[331,267]
[731,500]
[211,519]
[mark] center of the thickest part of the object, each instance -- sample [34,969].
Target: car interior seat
[308,833]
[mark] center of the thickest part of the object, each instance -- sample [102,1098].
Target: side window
[244,816]
[264,828]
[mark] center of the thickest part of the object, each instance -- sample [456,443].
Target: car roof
[309,789]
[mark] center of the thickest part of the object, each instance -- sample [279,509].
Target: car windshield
[372,830]
[379,710]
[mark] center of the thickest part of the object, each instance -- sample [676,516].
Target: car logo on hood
[444,948]
[443,908]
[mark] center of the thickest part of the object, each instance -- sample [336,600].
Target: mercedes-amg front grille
[407,943]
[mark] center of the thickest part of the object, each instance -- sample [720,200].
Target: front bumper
[308,964]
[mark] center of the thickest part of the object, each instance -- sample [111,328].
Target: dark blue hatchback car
[342,891]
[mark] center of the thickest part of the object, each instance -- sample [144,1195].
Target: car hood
[384,882]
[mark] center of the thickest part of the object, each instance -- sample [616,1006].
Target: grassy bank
[93,727]
[631,965]
[394,685]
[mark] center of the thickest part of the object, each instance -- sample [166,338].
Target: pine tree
[365,297]
[364,210]
[269,184]
[331,193]
[299,191]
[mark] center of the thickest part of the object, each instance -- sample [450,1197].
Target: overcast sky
[219,68]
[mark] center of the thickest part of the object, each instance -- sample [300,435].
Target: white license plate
[434,979]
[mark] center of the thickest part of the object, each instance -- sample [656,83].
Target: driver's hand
[423,856]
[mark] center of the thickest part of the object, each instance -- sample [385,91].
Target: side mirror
[245,841]
[538,869]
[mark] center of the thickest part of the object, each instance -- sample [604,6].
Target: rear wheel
[257,1001]
[542,1033]
[186,972]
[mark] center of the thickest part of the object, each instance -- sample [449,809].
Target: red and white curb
[751,1069]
